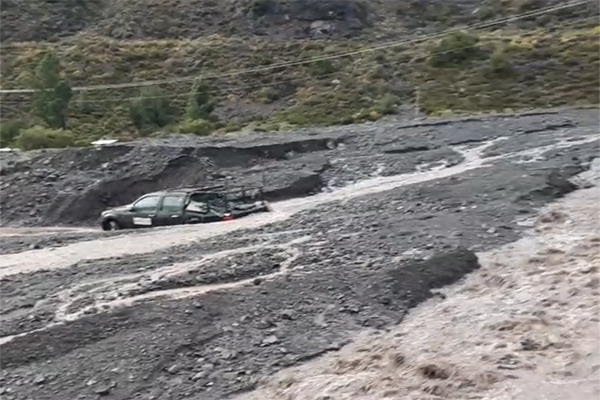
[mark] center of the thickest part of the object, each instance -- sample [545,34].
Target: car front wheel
[110,225]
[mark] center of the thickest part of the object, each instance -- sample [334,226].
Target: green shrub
[233,126]
[387,104]
[9,130]
[200,103]
[456,48]
[198,127]
[83,104]
[39,137]
[267,94]
[499,63]
[321,68]
[150,110]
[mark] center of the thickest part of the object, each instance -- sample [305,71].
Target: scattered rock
[433,371]
[287,314]
[173,369]
[530,345]
[270,340]
[200,375]
[104,390]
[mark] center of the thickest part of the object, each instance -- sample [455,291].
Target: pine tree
[52,93]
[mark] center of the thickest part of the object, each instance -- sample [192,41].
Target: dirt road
[207,312]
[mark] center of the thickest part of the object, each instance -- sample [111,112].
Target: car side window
[172,203]
[197,206]
[146,204]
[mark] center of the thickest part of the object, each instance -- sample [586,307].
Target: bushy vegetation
[151,110]
[455,49]
[198,127]
[200,105]
[9,130]
[39,137]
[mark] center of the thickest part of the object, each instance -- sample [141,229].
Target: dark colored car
[185,206]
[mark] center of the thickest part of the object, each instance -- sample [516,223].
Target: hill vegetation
[546,60]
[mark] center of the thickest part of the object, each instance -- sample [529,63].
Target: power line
[237,88]
[322,58]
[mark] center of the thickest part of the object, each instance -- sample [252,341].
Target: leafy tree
[52,93]
[200,104]
[151,109]
[39,137]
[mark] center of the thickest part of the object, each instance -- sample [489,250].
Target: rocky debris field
[523,326]
[207,312]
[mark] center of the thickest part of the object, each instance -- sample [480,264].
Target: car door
[170,211]
[144,211]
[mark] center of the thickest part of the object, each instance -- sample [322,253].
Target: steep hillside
[549,59]
[44,20]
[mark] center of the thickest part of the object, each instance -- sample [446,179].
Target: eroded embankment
[74,186]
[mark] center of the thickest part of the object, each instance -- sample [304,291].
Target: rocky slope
[37,20]
[187,313]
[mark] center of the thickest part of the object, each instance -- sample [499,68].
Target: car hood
[117,209]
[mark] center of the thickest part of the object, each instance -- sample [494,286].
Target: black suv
[185,206]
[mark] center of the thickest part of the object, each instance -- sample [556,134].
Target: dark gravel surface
[310,282]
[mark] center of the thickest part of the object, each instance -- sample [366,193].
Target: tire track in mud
[152,241]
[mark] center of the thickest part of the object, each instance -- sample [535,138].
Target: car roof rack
[218,188]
